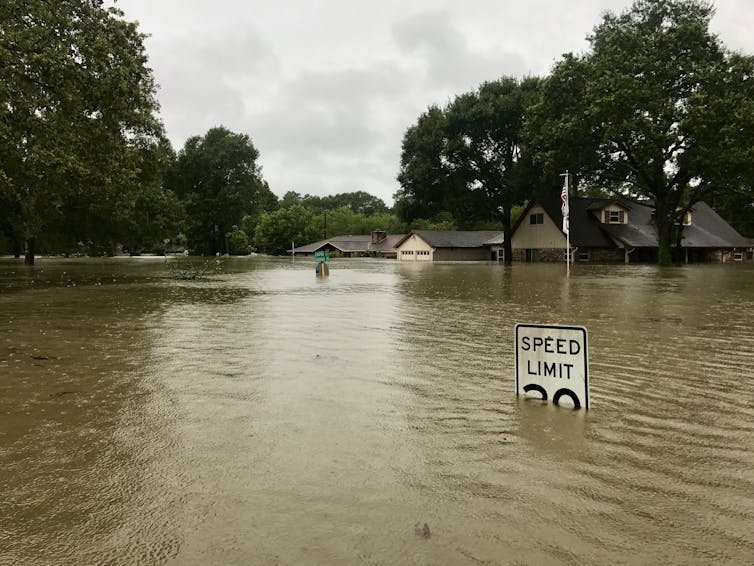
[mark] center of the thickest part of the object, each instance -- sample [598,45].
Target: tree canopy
[78,110]
[278,229]
[468,159]
[219,181]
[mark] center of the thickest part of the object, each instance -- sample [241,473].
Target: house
[378,243]
[447,245]
[615,230]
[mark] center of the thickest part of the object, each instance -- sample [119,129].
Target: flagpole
[565,209]
[568,219]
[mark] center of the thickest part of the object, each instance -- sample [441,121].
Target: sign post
[322,257]
[553,361]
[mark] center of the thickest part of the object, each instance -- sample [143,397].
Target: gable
[536,229]
[413,242]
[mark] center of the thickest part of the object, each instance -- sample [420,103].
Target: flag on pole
[564,205]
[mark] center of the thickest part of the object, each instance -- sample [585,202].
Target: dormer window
[537,218]
[615,217]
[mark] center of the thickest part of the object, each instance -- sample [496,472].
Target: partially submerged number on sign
[552,361]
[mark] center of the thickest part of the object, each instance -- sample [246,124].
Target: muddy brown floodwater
[264,416]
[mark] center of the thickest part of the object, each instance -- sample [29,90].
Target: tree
[290,198]
[485,152]
[141,215]
[277,229]
[468,160]
[76,103]
[658,109]
[426,184]
[219,181]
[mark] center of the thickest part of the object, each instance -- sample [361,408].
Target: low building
[378,243]
[447,245]
[615,230]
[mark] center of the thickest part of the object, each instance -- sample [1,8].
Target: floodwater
[264,416]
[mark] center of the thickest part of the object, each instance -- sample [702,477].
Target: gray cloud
[327,89]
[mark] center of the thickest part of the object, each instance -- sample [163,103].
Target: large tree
[468,159]
[657,108]
[76,106]
[426,184]
[220,182]
[485,150]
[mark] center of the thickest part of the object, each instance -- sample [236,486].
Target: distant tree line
[656,108]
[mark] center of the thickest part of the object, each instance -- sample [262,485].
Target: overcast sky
[327,88]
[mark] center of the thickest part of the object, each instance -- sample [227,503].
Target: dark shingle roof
[457,238]
[584,231]
[707,229]
[352,244]
[640,232]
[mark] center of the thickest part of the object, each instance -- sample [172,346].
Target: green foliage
[386,221]
[218,180]
[737,207]
[238,242]
[359,202]
[469,158]
[140,216]
[307,218]
[441,221]
[277,229]
[78,108]
[658,108]
[426,184]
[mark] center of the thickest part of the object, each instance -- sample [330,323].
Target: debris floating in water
[422,532]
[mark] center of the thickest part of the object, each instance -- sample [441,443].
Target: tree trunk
[31,244]
[17,248]
[664,243]
[507,236]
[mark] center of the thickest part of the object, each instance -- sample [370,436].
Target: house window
[583,255]
[614,216]
[422,252]
[738,256]
[537,218]
[687,218]
[531,255]
[407,252]
[568,255]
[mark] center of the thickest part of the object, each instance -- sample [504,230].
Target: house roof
[352,244]
[457,238]
[707,228]
[640,232]
[584,232]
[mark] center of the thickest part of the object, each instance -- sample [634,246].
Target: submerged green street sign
[322,255]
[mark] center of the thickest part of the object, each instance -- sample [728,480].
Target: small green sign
[322,255]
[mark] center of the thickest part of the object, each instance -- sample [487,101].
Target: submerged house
[378,243]
[417,245]
[450,245]
[615,230]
